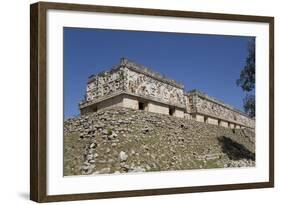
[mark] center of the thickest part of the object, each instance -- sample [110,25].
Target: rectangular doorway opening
[94,109]
[205,119]
[172,111]
[142,106]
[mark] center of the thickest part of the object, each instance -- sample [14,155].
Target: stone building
[134,86]
[203,108]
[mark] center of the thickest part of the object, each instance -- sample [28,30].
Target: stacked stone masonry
[122,140]
[208,109]
[134,86]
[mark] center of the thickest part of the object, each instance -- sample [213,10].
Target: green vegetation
[247,80]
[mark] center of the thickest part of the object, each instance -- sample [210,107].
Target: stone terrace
[121,140]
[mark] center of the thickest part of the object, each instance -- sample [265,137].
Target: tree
[249,104]
[247,80]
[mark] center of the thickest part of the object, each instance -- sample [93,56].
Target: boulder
[123,156]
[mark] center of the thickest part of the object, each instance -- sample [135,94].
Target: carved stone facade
[134,86]
[146,86]
[104,84]
[216,112]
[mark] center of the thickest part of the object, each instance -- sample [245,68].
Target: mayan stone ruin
[136,120]
[134,86]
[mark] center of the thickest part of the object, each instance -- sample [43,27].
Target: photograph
[147,101]
[131,101]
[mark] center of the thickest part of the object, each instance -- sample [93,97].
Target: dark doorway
[142,106]
[171,111]
[205,119]
[94,109]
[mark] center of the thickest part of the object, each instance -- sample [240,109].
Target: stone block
[199,118]
[111,102]
[223,123]
[187,116]
[178,113]
[237,127]
[130,102]
[158,108]
[212,121]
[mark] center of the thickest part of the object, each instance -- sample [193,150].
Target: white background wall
[14,103]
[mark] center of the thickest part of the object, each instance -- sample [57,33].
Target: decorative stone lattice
[141,83]
[202,103]
[132,80]
[104,84]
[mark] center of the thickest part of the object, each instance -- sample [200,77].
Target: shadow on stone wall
[234,150]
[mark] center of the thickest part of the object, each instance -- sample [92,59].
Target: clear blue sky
[210,63]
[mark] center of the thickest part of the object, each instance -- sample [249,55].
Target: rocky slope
[120,140]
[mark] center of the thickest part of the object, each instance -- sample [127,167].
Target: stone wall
[104,84]
[112,102]
[223,123]
[142,88]
[130,102]
[178,113]
[134,79]
[116,101]
[158,108]
[142,85]
[212,121]
[121,140]
[199,118]
[203,104]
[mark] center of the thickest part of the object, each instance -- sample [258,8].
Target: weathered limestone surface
[116,101]
[146,86]
[121,140]
[223,123]
[129,102]
[157,108]
[199,118]
[178,113]
[237,126]
[104,84]
[112,102]
[130,78]
[212,121]
[206,105]
[134,86]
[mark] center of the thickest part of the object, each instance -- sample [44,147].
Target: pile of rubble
[121,140]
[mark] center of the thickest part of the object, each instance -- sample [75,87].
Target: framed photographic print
[134,102]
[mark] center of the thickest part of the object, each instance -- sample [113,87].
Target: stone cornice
[91,78]
[124,62]
[147,71]
[88,103]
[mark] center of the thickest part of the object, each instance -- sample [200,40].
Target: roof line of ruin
[212,99]
[140,69]
[112,69]
[149,72]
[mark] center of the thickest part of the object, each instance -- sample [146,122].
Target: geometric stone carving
[135,86]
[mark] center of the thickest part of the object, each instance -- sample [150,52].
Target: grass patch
[72,154]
